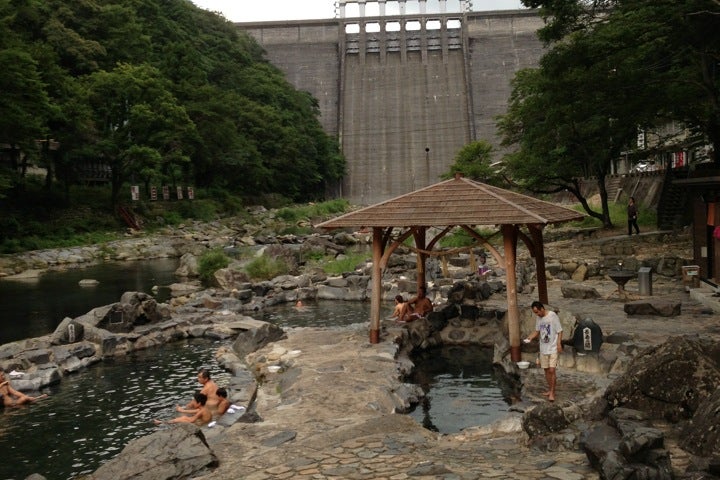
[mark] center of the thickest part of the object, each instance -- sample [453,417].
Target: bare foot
[545,394]
[551,398]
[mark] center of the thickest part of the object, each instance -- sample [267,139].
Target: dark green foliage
[612,67]
[204,210]
[163,92]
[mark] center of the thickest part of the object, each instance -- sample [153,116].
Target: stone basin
[621,277]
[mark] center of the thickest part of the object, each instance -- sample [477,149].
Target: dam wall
[403,94]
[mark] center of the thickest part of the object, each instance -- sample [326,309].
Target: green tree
[675,44]
[24,106]
[612,67]
[193,100]
[140,127]
[574,115]
[474,161]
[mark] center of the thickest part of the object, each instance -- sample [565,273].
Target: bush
[210,262]
[172,218]
[266,268]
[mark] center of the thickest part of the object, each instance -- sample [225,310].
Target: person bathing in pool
[199,416]
[11,397]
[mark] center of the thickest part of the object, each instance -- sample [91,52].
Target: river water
[35,307]
[90,416]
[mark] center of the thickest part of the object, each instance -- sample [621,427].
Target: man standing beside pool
[549,329]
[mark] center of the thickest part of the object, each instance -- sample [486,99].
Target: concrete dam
[403,93]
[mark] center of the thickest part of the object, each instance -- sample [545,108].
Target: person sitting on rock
[483,270]
[420,306]
[209,389]
[11,397]
[402,309]
[199,416]
[223,402]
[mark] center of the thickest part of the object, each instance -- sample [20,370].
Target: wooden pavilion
[463,203]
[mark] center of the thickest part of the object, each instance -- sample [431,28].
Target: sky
[270,10]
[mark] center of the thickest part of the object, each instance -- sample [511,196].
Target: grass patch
[266,268]
[618,216]
[340,265]
[313,210]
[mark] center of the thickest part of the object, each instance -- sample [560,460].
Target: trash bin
[691,276]
[645,281]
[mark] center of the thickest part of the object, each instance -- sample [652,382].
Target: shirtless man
[11,397]
[199,416]
[209,389]
[420,305]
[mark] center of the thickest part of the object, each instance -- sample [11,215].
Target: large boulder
[180,451]
[189,266]
[256,335]
[662,308]
[701,435]
[578,290]
[544,419]
[670,380]
[627,446]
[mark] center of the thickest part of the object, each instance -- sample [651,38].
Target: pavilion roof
[459,201]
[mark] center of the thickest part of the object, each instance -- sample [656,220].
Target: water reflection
[459,381]
[460,386]
[32,308]
[318,314]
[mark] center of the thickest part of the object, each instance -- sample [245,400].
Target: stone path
[328,416]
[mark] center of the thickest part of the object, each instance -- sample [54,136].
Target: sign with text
[135,192]
[191,193]
[153,193]
[166,192]
[179,193]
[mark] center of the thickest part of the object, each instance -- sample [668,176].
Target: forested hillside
[159,91]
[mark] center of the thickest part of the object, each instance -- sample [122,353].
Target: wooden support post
[510,244]
[419,236]
[377,249]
